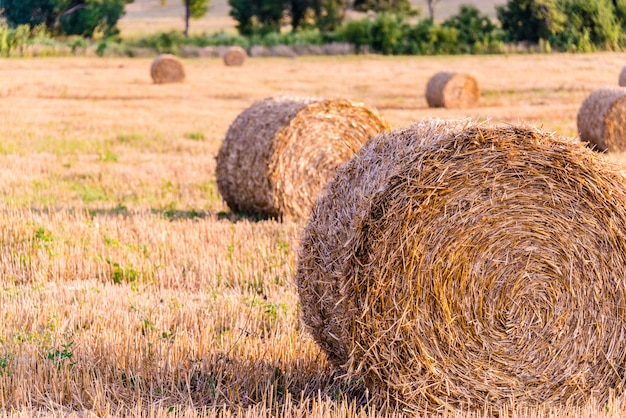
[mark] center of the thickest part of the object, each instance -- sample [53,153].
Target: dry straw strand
[235,56]
[622,77]
[167,68]
[458,265]
[279,153]
[452,90]
[602,119]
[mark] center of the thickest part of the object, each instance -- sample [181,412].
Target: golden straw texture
[452,90]
[279,153]
[602,119]
[235,56]
[622,77]
[460,266]
[167,68]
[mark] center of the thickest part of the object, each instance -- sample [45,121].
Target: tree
[30,12]
[431,8]
[71,17]
[400,7]
[243,13]
[473,27]
[194,9]
[257,16]
[87,17]
[298,10]
[590,23]
[329,14]
[531,20]
[620,10]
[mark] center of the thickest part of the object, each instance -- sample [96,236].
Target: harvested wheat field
[127,285]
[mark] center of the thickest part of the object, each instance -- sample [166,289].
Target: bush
[83,17]
[358,33]
[386,34]
[531,20]
[591,24]
[475,31]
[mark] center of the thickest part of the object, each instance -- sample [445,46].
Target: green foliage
[196,136]
[243,13]
[68,17]
[4,364]
[620,11]
[90,17]
[62,356]
[386,32]
[198,8]
[400,7]
[531,20]
[31,12]
[474,30]
[164,42]
[121,273]
[590,24]
[16,40]
[358,33]
[257,16]
[329,14]
[298,10]
[467,32]
[194,9]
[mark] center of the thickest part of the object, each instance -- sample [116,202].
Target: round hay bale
[622,77]
[602,119]
[452,90]
[280,152]
[454,265]
[235,56]
[167,68]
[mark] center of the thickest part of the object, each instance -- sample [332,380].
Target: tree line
[388,27]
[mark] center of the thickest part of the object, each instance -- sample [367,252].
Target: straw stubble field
[126,284]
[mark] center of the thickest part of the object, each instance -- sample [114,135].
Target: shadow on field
[235,217]
[274,386]
[170,214]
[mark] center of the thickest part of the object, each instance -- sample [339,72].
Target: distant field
[128,288]
[146,16]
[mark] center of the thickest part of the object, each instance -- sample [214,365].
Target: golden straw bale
[622,77]
[452,90]
[235,56]
[602,119]
[280,152]
[459,265]
[167,68]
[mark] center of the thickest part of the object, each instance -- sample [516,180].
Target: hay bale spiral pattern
[602,119]
[458,265]
[452,90]
[279,153]
[167,68]
[235,56]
